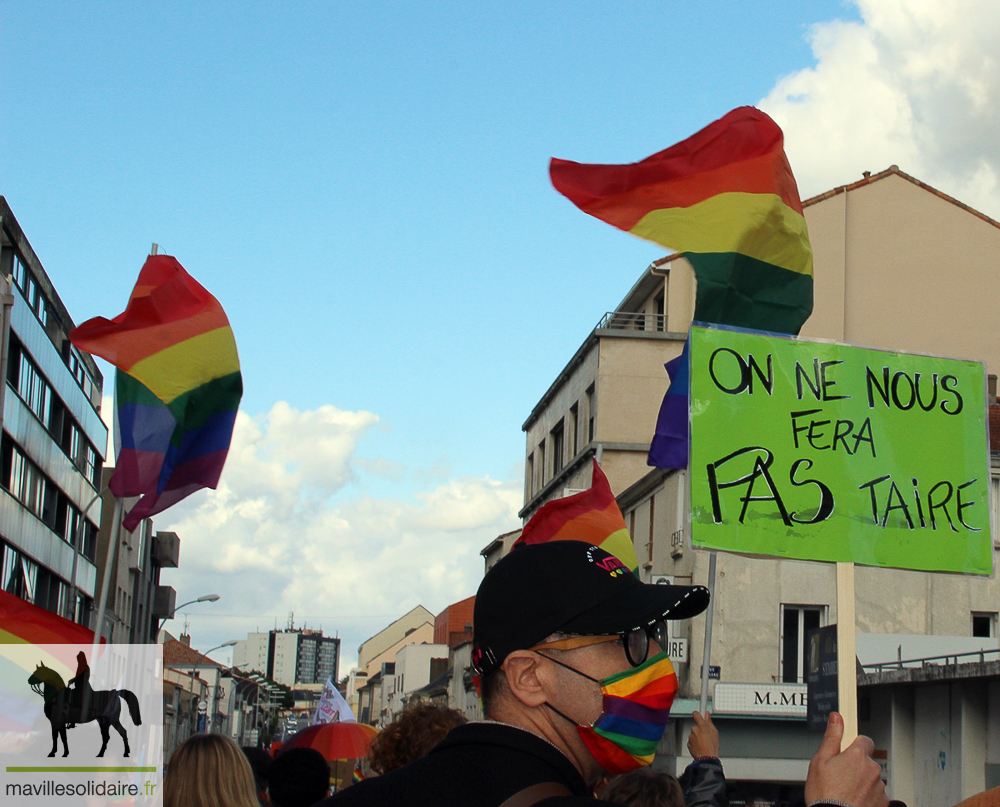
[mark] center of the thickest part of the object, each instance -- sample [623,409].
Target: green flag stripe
[735,289]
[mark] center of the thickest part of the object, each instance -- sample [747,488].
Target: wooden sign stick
[847,680]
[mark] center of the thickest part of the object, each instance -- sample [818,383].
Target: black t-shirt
[476,765]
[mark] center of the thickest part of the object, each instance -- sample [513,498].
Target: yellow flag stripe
[181,368]
[758,225]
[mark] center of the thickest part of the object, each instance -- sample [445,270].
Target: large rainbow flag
[725,199]
[178,387]
[591,515]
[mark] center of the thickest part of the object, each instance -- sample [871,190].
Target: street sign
[821,676]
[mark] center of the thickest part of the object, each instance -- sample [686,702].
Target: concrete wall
[897,266]
[935,734]
[412,671]
[573,391]
[286,653]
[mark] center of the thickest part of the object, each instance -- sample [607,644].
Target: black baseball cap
[567,587]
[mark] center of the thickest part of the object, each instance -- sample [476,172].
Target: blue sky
[364,187]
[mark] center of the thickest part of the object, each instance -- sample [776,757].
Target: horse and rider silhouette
[68,705]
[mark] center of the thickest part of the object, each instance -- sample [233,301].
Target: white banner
[332,707]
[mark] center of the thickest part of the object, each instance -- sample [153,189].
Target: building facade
[416,626]
[290,656]
[53,440]
[136,602]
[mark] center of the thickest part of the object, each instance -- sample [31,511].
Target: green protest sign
[824,451]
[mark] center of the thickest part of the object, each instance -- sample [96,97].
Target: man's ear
[525,678]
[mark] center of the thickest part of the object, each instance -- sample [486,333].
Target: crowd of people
[576,690]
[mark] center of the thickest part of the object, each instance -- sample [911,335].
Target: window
[36,392]
[51,593]
[75,439]
[79,371]
[661,320]
[19,273]
[83,455]
[70,532]
[984,624]
[556,442]
[20,575]
[91,466]
[591,412]
[26,483]
[26,378]
[574,433]
[796,622]
[541,463]
[89,545]
[31,292]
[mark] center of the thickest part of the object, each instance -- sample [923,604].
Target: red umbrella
[335,740]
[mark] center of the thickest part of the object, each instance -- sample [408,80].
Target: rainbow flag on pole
[591,515]
[178,387]
[725,199]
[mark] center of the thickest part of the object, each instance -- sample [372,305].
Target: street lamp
[203,598]
[215,684]
[230,643]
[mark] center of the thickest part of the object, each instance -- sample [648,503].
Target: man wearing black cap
[575,686]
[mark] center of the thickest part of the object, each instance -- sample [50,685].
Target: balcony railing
[631,321]
[931,661]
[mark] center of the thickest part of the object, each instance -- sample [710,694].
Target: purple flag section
[670,445]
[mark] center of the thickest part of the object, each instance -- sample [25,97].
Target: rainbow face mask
[636,710]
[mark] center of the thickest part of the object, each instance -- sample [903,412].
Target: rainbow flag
[178,387]
[24,624]
[725,199]
[591,515]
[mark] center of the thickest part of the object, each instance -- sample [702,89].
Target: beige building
[414,627]
[366,688]
[898,265]
[601,401]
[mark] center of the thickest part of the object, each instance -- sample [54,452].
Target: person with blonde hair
[209,770]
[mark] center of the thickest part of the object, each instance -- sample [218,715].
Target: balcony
[164,600]
[166,549]
[632,321]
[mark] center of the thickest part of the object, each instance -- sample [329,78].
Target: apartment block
[53,441]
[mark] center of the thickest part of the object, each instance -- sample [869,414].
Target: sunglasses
[635,641]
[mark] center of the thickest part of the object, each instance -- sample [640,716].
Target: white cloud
[914,84]
[273,540]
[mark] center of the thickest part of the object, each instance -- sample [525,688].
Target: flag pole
[78,542]
[706,656]
[847,680]
[109,559]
